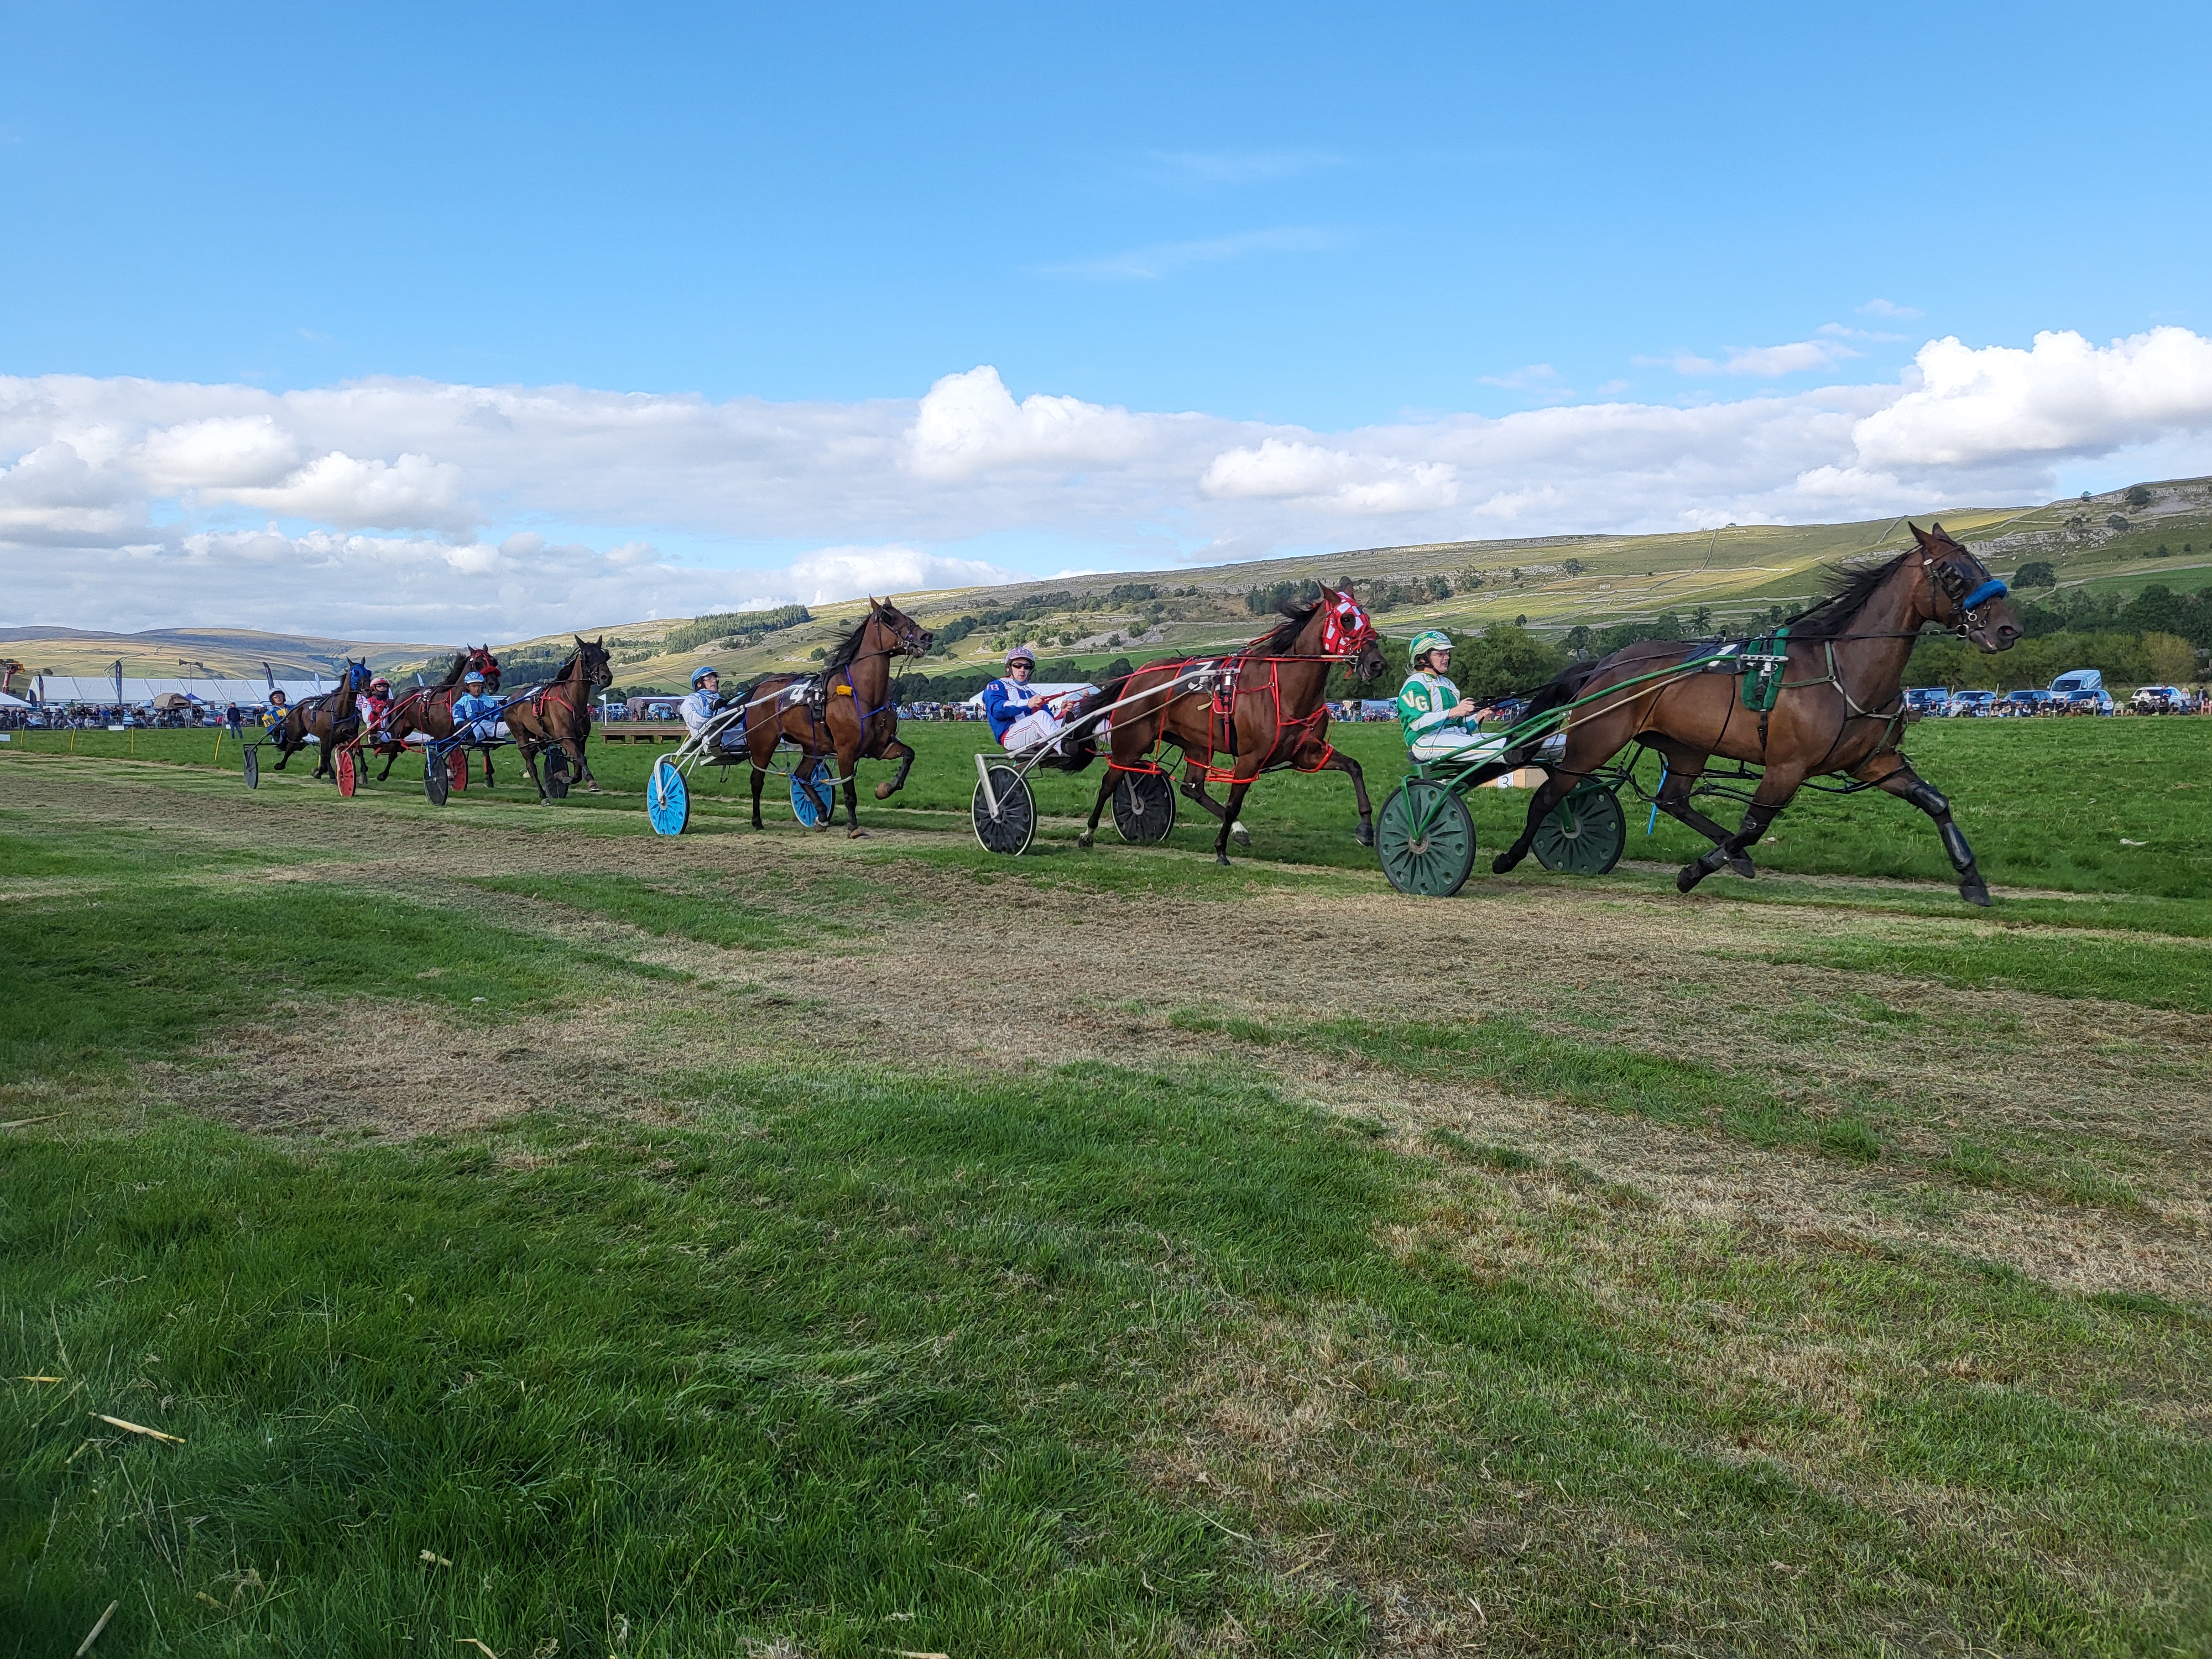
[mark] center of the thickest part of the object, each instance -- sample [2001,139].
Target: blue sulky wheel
[814,807]
[1426,840]
[667,798]
[1584,834]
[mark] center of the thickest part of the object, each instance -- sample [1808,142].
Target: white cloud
[1533,377]
[1164,258]
[1766,361]
[1881,307]
[414,509]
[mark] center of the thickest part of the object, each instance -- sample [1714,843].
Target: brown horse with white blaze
[559,715]
[850,714]
[1839,710]
[1273,717]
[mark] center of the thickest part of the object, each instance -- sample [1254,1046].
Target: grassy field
[533,1233]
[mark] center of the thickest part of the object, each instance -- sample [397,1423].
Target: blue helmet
[705,670]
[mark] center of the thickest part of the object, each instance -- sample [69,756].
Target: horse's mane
[842,654]
[1849,590]
[1278,642]
[453,674]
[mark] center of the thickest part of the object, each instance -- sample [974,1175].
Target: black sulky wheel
[1426,840]
[1014,828]
[1144,808]
[437,781]
[556,773]
[1584,834]
[253,766]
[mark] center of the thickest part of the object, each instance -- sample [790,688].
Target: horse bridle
[1967,602]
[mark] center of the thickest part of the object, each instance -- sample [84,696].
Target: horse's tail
[1555,693]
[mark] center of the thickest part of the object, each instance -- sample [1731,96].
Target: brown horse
[329,720]
[429,708]
[1262,706]
[845,710]
[1839,710]
[560,716]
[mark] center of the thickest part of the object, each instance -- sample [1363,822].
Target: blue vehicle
[2086,700]
[1972,705]
[2020,704]
[1927,700]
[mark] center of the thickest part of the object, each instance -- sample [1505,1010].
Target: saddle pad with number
[1763,660]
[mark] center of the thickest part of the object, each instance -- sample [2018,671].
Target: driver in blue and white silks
[705,701]
[476,716]
[1020,718]
[1439,723]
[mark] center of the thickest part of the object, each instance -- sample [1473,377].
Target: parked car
[2161,700]
[1927,699]
[2021,704]
[1971,705]
[2084,700]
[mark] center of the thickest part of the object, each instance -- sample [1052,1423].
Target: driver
[476,713]
[1019,717]
[705,701]
[1440,723]
[279,707]
[374,706]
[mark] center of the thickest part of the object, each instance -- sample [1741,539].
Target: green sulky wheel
[1584,834]
[1426,839]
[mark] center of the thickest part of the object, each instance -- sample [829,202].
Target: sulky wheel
[1011,832]
[667,798]
[437,781]
[556,773]
[1144,807]
[457,769]
[1584,834]
[253,766]
[812,802]
[1426,840]
[348,770]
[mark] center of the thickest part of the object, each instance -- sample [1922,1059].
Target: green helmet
[1432,640]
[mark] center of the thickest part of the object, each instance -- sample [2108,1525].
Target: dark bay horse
[328,718]
[1840,708]
[429,708]
[1265,711]
[559,715]
[852,716]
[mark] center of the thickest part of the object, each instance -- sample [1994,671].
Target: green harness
[1762,670]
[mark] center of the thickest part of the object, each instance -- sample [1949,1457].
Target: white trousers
[1455,744]
[1038,725]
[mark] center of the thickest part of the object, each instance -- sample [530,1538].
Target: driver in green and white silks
[1440,723]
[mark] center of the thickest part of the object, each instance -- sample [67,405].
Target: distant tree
[1701,619]
[1516,575]
[2161,554]
[2036,573]
[2137,496]
[1580,642]
[1506,658]
[2116,522]
[1667,625]
[2168,657]
[1521,622]
[1574,567]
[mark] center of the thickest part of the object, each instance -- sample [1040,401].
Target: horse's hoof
[1690,875]
[1240,834]
[856,834]
[1744,867]
[1222,858]
[1975,890]
[1364,835]
[1084,839]
[884,790]
[1502,863]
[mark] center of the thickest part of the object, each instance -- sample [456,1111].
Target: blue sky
[1334,220]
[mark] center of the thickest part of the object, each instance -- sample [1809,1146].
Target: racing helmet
[379,683]
[705,670]
[1021,653]
[474,676]
[1425,642]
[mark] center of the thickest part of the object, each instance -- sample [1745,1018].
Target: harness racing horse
[845,710]
[1839,708]
[329,720]
[429,708]
[1263,706]
[559,715]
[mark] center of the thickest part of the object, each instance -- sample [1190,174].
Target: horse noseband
[1953,582]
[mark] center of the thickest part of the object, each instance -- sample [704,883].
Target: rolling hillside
[1735,574]
[214,653]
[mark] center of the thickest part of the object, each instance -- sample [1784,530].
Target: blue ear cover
[1991,589]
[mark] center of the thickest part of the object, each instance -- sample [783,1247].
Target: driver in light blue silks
[705,701]
[475,717]
[1439,723]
